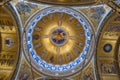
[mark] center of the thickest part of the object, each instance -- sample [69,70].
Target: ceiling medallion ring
[64,67]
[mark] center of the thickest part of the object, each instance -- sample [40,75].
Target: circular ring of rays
[74,33]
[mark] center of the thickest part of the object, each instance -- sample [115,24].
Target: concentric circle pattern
[58,37]
[58,40]
[107,47]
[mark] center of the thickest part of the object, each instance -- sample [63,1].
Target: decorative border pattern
[64,67]
[69,3]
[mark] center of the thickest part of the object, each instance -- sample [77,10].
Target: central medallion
[58,36]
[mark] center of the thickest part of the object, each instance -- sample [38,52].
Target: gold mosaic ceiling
[9,44]
[58,38]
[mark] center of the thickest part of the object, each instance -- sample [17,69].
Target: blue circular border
[49,66]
